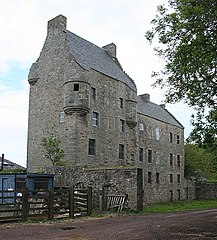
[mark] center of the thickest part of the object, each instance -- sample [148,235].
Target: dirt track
[197,225]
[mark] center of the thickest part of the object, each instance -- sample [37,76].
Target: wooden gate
[57,202]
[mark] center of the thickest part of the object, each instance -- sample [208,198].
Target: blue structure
[18,181]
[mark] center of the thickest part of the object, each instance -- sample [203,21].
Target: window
[76,87]
[141,154]
[157,177]
[171,178]
[178,160]
[149,177]
[41,183]
[141,127]
[92,147]
[157,134]
[171,159]
[179,194]
[149,155]
[95,119]
[178,178]
[93,90]
[121,125]
[171,137]
[171,195]
[62,117]
[121,103]
[178,139]
[20,183]
[121,151]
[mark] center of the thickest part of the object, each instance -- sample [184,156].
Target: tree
[199,163]
[187,38]
[52,150]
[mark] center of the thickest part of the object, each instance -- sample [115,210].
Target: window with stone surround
[121,151]
[93,92]
[179,194]
[149,177]
[170,137]
[62,116]
[141,154]
[171,159]
[149,155]
[95,119]
[171,178]
[121,101]
[157,177]
[178,178]
[141,126]
[121,125]
[178,139]
[92,147]
[178,160]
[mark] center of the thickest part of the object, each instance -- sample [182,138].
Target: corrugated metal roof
[156,111]
[90,56]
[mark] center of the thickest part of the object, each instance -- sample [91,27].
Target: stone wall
[117,181]
[205,190]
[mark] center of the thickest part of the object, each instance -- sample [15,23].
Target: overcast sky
[23,26]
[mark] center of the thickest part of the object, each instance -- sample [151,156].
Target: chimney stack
[111,49]
[145,97]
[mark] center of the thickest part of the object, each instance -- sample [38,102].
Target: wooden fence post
[25,204]
[89,200]
[51,204]
[71,202]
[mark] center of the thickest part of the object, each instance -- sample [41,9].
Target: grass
[180,206]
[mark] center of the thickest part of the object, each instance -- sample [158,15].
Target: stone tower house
[80,93]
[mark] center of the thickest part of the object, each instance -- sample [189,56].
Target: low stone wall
[103,182]
[205,190]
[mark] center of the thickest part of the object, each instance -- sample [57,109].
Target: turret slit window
[76,87]
[121,151]
[95,119]
[92,147]
[93,93]
[141,154]
[121,126]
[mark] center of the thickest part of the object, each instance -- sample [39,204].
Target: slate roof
[90,56]
[10,165]
[156,111]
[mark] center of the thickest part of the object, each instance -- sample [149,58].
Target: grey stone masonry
[80,93]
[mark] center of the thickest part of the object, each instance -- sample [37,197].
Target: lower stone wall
[103,182]
[205,190]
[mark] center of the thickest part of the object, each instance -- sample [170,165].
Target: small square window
[141,154]
[141,127]
[95,119]
[149,155]
[92,147]
[121,125]
[76,87]
[121,151]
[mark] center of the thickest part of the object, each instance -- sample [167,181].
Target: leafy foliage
[199,163]
[52,150]
[187,38]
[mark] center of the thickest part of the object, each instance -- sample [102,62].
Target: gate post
[89,200]
[25,204]
[51,204]
[71,202]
